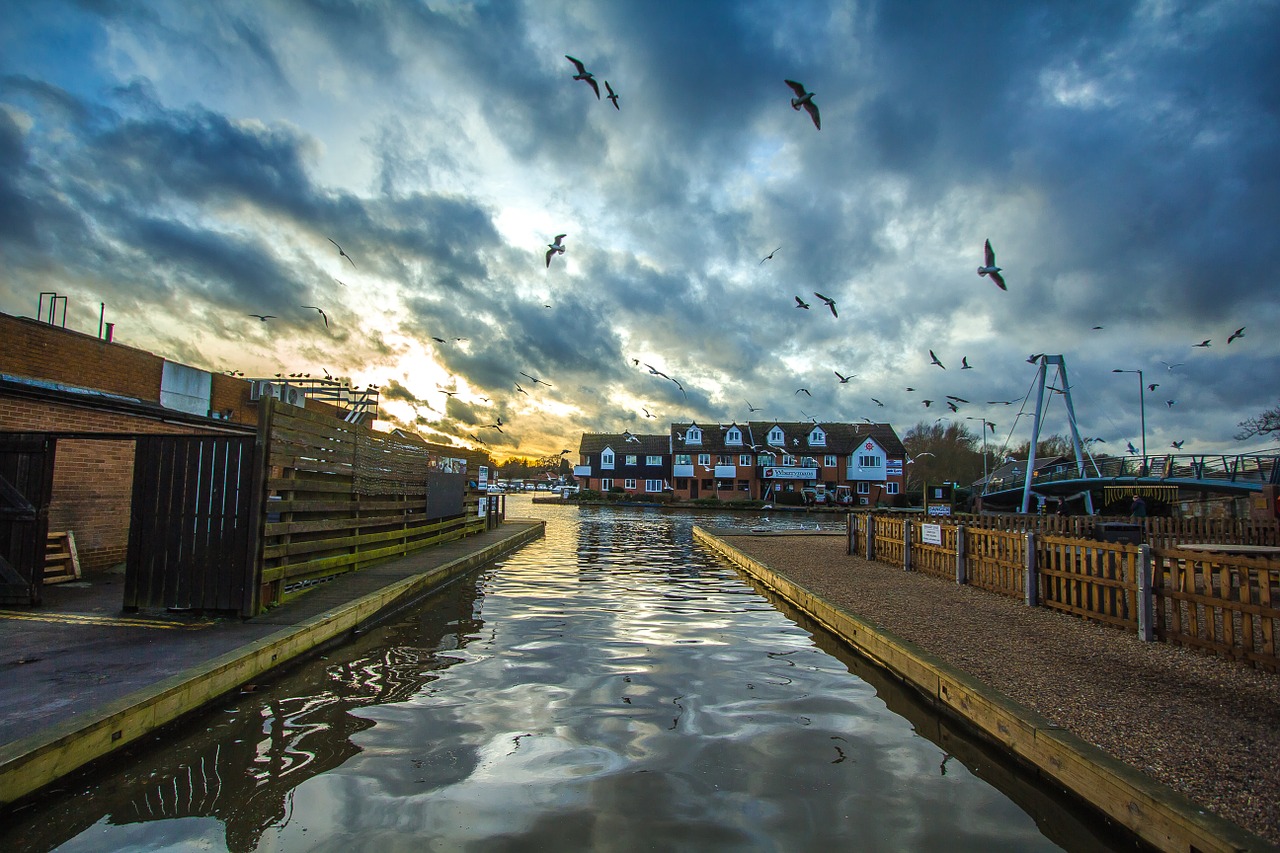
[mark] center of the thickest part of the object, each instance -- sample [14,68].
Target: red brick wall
[41,351]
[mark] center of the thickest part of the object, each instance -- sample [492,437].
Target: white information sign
[790,473]
[931,534]
[939,509]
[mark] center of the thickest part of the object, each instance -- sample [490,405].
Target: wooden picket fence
[1156,531]
[1226,605]
[342,497]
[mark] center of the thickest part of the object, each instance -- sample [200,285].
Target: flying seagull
[804,99]
[342,254]
[877,402]
[1170,403]
[612,95]
[263,317]
[957,399]
[1132,449]
[990,268]
[952,406]
[556,248]
[535,380]
[800,303]
[1203,343]
[1238,333]
[1034,357]
[769,256]
[933,359]
[322,314]
[831,303]
[964,363]
[751,408]
[927,403]
[1177,445]
[844,380]
[584,74]
[1173,365]
[1153,386]
[805,390]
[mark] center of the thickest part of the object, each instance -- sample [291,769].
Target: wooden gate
[26,486]
[193,529]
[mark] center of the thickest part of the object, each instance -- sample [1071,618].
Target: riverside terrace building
[860,464]
[638,464]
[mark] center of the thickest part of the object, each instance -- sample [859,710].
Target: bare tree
[1267,423]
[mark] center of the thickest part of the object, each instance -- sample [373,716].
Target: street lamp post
[1142,409]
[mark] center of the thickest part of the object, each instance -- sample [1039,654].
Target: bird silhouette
[964,363]
[805,390]
[556,248]
[1238,333]
[1203,343]
[831,303]
[844,380]
[1153,386]
[584,75]
[1132,450]
[800,303]
[535,380]
[989,267]
[1170,403]
[342,254]
[322,314]
[751,408]
[1177,445]
[933,359]
[521,390]
[877,402]
[263,317]
[927,403]
[1173,365]
[1034,357]
[957,399]
[769,256]
[613,96]
[804,99]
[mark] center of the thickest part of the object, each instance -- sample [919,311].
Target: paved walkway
[78,666]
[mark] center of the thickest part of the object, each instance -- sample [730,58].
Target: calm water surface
[610,687]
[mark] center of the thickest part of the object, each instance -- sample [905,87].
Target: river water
[609,687]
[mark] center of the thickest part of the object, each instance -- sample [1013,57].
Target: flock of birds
[802,99]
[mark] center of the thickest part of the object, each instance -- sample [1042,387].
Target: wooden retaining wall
[1225,605]
[342,497]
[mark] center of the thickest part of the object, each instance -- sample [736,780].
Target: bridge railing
[1245,467]
[1156,531]
[1227,605]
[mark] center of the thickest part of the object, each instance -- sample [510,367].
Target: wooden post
[1146,600]
[961,578]
[871,536]
[906,545]
[1031,590]
[851,534]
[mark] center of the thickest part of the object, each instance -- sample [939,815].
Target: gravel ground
[1206,727]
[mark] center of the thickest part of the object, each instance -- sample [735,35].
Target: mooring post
[1031,585]
[1146,601]
[906,545]
[871,536]
[851,534]
[960,575]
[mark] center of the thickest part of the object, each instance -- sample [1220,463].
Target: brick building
[636,464]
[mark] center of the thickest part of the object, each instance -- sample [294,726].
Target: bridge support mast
[1076,444]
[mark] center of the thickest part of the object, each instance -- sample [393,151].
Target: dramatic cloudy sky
[188,164]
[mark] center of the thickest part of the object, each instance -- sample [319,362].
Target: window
[733,436]
[808,462]
[704,459]
[682,458]
[653,486]
[776,437]
[724,459]
[869,461]
[817,438]
[629,484]
[606,484]
[744,460]
[891,488]
[631,459]
[765,459]
[788,459]
[653,460]
[708,485]
[606,458]
[744,485]
[693,435]
[864,488]
[682,483]
[829,461]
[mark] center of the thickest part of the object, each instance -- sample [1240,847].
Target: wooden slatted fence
[1159,532]
[996,560]
[342,497]
[1224,605]
[936,560]
[889,544]
[1094,580]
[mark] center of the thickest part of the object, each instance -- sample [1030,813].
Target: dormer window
[606,458]
[776,437]
[817,438]
[733,436]
[693,435]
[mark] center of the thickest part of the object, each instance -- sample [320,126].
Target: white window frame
[704,459]
[630,459]
[653,487]
[864,488]
[683,459]
[693,435]
[744,460]
[606,458]
[829,461]
[817,438]
[777,437]
[629,484]
[788,460]
[868,461]
[606,483]
[890,488]
[652,460]
[733,436]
